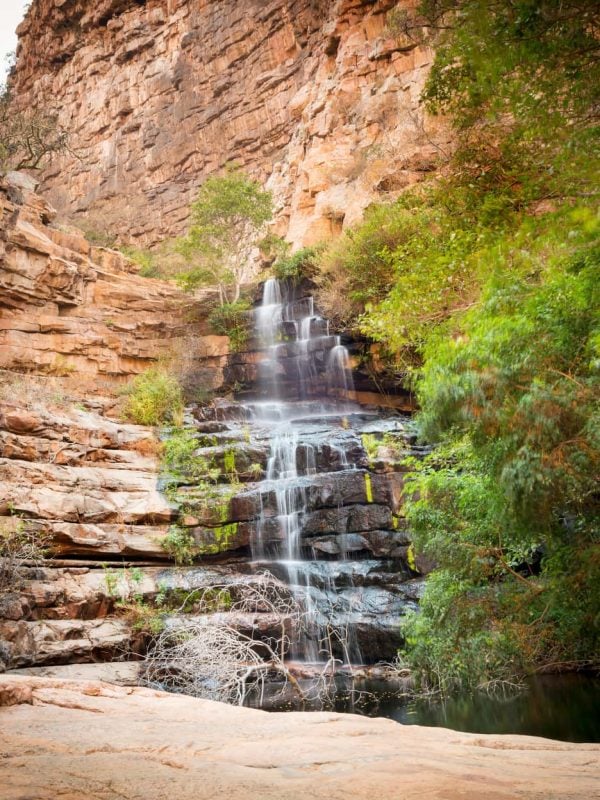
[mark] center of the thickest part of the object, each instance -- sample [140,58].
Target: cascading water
[315,511]
[290,330]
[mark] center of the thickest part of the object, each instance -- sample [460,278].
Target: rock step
[78,539]
[121,673]
[81,494]
[77,427]
[65,641]
[55,451]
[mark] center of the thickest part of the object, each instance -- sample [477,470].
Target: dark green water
[565,707]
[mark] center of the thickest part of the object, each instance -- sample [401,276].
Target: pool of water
[563,707]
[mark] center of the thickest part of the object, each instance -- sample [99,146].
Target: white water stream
[293,338]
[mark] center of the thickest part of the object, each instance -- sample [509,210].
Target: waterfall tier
[315,508]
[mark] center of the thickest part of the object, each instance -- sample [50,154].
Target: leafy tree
[29,139]
[520,80]
[508,506]
[227,220]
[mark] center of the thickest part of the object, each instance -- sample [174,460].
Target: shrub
[163,262]
[180,459]
[299,265]
[145,260]
[508,506]
[357,268]
[180,545]
[233,320]
[154,398]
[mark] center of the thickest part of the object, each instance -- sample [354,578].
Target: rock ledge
[89,739]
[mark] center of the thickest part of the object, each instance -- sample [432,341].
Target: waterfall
[312,507]
[339,372]
[305,374]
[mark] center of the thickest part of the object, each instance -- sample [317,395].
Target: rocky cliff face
[70,309]
[312,97]
[75,322]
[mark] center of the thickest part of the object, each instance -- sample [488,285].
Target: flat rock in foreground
[78,740]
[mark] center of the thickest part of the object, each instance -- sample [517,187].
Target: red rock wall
[310,96]
[67,308]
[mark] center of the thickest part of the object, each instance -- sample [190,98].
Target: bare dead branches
[210,656]
[18,548]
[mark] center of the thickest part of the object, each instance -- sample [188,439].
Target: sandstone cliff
[312,97]
[75,322]
[69,308]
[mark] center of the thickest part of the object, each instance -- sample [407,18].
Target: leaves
[227,220]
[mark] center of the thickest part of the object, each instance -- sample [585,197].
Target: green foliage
[273,247]
[197,601]
[226,222]
[182,464]
[356,269]
[179,454]
[299,265]
[233,320]
[371,444]
[521,81]
[111,582]
[164,262]
[180,545]
[144,617]
[508,506]
[154,398]
[145,259]
[123,586]
[97,236]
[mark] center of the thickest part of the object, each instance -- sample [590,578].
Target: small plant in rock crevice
[154,397]
[180,545]
[18,547]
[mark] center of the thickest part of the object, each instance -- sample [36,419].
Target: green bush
[233,320]
[181,460]
[484,283]
[145,259]
[356,269]
[154,398]
[301,264]
[179,544]
[508,505]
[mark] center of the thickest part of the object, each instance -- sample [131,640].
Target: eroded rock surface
[317,98]
[88,739]
[67,308]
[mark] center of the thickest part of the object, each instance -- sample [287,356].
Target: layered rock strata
[75,323]
[68,308]
[89,487]
[317,99]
